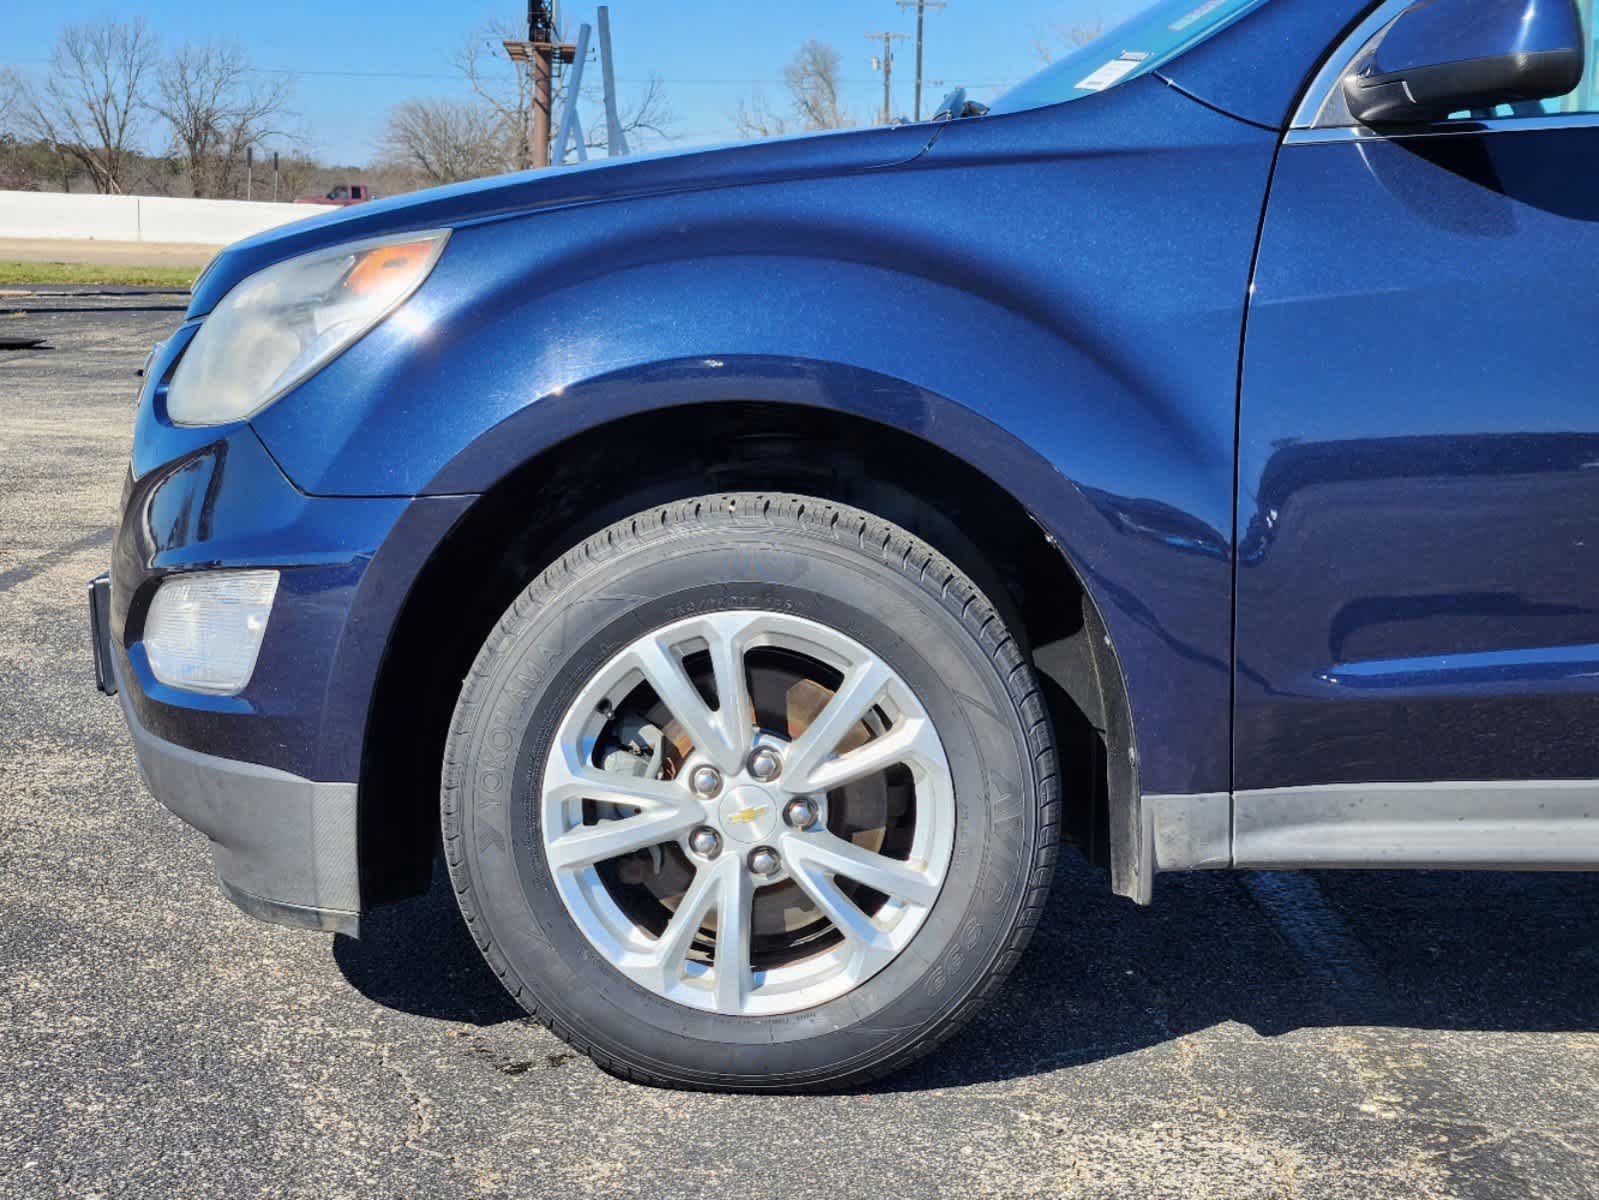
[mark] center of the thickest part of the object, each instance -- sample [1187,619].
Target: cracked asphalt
[1355,1035]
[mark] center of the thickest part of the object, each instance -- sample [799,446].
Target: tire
[855,595]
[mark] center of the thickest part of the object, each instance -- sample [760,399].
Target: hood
[599,182]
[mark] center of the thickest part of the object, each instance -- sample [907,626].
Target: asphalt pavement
[1263,1035]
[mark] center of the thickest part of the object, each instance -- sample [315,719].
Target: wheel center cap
[748,814]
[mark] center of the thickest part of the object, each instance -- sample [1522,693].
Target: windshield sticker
[1204,10]
[1115,69]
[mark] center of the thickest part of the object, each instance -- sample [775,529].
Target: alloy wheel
[747,812]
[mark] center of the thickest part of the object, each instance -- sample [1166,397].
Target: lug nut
[764,764]
[705,782]
[800,812]
[764,861]
[705,842]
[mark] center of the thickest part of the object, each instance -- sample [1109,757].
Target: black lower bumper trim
[285,847]
[278,913]
[105,677]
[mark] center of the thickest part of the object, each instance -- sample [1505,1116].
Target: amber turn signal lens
[386,267]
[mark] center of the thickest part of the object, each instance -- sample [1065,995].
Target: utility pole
[540,52]
[887,65]
[921,7]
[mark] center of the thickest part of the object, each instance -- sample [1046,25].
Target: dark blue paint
[224,502]
[1419,475]
[1056,296]
[911,296]
[1257,70]
[1458,31]
[499,198]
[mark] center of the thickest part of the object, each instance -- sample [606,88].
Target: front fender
[1158,575]
[1078,344]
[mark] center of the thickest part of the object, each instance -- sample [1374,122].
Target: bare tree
[648,112]
[216,112]
[446,141]
[1068,37]
[501,85]
[812,79]
[300,174]
[10,88]
[14,175]
[813,84]
[755,117]
[89,107]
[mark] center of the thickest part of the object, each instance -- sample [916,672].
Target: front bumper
[285,847]
[247,769]
[268,774]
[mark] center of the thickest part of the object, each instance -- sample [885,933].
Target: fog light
[204,630]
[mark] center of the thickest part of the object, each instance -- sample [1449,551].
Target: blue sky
[352,61]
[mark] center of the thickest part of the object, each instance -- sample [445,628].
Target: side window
[1585,99]
[339,193]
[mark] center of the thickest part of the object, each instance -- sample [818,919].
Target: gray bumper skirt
[285,846]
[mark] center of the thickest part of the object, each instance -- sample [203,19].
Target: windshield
[1157,34]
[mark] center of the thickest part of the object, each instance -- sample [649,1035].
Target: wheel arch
[544,499]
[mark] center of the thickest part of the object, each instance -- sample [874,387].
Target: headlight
[281,324]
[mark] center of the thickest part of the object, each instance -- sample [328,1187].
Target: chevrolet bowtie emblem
[745,815]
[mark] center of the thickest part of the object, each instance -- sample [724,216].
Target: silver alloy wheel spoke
[664,812]
[893,877]
[687,960]
[590,844]
[565,780]
[723,735]
[912,740]
[668,958]
[735,712]
[734,918]
[662,670]
[859,690]
[868,946]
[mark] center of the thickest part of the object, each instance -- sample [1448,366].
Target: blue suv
[744,567]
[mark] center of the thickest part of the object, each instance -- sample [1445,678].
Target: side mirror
[1442,56]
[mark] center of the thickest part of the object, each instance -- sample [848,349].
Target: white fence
[152,219]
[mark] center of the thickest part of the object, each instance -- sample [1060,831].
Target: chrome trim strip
[1334,133]
[1332,70]
[1363,133]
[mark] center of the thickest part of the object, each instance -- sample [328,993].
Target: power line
[675,80]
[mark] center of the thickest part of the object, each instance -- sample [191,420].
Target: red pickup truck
[341,195]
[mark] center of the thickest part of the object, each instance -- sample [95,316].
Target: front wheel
[751,792]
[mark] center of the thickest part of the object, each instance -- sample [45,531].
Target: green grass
[12,273]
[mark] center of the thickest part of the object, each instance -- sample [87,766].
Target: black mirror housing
[1443,56]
